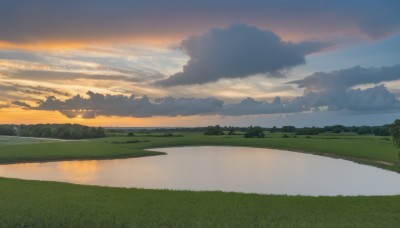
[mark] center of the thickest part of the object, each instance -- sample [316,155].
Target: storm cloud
[236,52]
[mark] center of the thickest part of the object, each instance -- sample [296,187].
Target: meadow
[50,204]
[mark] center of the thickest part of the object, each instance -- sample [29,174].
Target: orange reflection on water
[25,166]
[79,171]
[20,168]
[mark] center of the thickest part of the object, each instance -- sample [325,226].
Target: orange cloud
[43,46]
[86,44]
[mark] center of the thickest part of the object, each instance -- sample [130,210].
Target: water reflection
[221,168]
[79,171]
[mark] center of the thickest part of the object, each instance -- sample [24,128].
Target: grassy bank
[49,204]
[372,150]
[73,150]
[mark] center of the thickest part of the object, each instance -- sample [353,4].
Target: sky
[153,63]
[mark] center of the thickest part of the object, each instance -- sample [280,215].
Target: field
[13,140]
[50,204]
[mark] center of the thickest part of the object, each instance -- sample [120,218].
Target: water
[231,169]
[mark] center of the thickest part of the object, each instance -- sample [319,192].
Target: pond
[231,169]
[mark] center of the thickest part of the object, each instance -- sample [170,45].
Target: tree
[213,130]
[395,132]
[288,129]
[254,132]
[231,131]
[64,131]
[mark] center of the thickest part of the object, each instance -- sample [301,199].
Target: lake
[231,169]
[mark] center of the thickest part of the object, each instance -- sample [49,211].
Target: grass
[13,140]
[371,150]
[50,204]
[73,150]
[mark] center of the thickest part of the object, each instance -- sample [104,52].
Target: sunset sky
[174,63]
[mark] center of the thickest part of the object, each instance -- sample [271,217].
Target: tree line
[256,131]
[60,131]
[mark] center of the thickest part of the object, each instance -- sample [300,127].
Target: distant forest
[59,131]
[219,130]
[76,131]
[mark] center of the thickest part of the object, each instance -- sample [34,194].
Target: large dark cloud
[235,52]
[27,20]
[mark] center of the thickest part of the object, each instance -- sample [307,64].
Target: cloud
[3,104]
[28,89]
[75,65]
[237,52]
[332,91]
[75,20]
[344,79]
[377,98]
[57,75]
[378,20]
[371,100]
[335,89]
[249,106]
[22,104]
[119,105]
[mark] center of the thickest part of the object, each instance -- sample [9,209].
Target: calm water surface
[233,169]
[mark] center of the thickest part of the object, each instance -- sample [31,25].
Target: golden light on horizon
[24,116]
[165,41]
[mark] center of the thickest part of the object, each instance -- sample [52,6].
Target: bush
[213,130]
[254,132]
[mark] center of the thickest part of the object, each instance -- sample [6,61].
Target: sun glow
[22,116]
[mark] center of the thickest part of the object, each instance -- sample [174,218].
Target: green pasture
[50,204]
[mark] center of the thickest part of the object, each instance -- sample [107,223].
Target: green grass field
[73,150]
[50,204]
[14,140]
